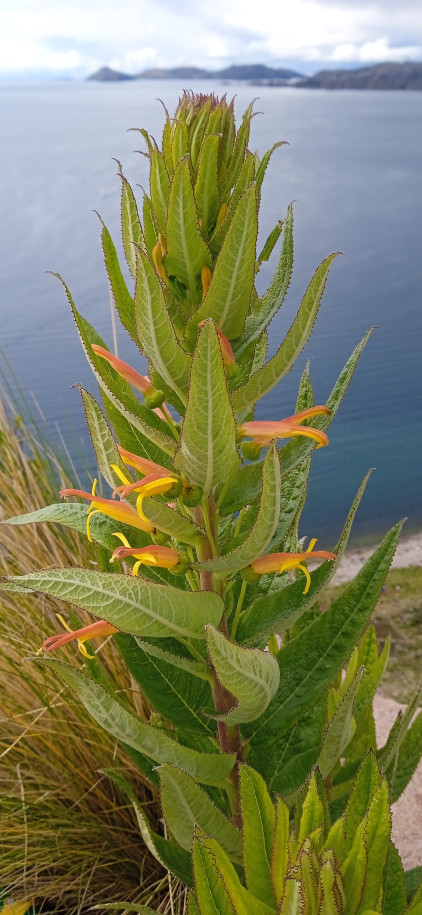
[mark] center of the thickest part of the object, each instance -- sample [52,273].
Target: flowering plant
[261,738]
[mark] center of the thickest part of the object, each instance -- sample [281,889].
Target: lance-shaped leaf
[309,663]
[274,612]
[377,839]
[297,336]
[269,304]
[280,855]
[263,163]
[166,851]
[208,768]
[133,236]
[121,295]
[394,901]
[258,816]
[132,605]
[103,442]
[264,527]
[340,729]
[160,187]
[111,382]
[246,177]
[228,297]
[207,451]
[249,674]
[150,226]
[187,252]
[186,805]
[218,888]
[197,132]
[206,188]
[409,756]
[179,145]
[155,329]
[246,485]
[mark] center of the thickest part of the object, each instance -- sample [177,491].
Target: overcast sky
[75,37]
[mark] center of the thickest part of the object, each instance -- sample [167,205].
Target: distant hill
[380,76]
[247,71]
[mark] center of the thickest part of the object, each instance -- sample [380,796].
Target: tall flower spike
[282,562]
[265,431]
[98,630]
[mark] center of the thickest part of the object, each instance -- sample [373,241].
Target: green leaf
[155,330]
[133,236]
[374,668]
[250,675]
[175,694]
[129,437]
[187,663]
[167,852]
[206,189]
[179,146]
[131,604]
[103,442]
[309,663]
[366,784]
[280,856]
[246,177]
[340,729]
[269,304]
[263,163]
[208,768]
[258,816]
[207,452]
[394,901]
[287,762]
[186,805]
[377,840]
[265,524]
[187,252]
[297,336]
[397,734]
[197,132]
[247,483]
[228,297]
[312,815]
[269,245]
[192,904]
[150,228]
[217,882]
[413,881]
[238,154]
[160,188]
[275,612]
[409,756]
[122,298]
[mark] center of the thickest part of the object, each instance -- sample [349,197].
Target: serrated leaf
[398,731]
[340,729]
[111,382]
[409,756]
[280,856]
[186,805]
[269,245]
[228,297]
[258,816]
[197,132]
[133,236]
[155,330]
[238,154]
[287,762]
[272,300]
[309,663]
[187,252]
[179,145]
[167,852]
[274,612]
[394,901]
[367,782]
[132,605]
[263,163]
[160,188]
[214,871]
[150,228]
[103,442]
[175,694]
[377,839]
[208,768]
[213,898]
[297,336]
[121,295]
[207,451]
[250,675]
[246,177]
[247,482]
[206,188]
[265,524]
[312,815]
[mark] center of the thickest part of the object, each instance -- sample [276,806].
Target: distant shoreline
[408,553]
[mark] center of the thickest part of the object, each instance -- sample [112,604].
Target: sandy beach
[407,812]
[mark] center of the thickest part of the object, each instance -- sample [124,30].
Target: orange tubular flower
[116,510]
[265,431]
[97,630]
[140,382]
[139,463]
[162,557]
[282,562]
[226,349]
[152,485]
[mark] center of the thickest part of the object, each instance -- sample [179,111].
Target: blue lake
[353,168]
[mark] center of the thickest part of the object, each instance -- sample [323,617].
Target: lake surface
[353,168]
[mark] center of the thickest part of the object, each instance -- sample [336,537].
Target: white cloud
[375,52]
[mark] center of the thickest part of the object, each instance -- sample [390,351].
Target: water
[353,168]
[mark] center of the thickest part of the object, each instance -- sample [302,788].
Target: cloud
[375,52]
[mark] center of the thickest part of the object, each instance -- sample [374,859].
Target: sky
[74,37]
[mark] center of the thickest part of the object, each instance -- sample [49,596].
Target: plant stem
[238,609]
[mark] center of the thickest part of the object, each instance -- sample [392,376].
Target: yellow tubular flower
[112,509]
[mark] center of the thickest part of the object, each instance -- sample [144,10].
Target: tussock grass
[66,839]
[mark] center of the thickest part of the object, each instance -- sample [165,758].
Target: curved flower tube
[139,463]
[162,557]
[99,629]
[112,509]
[263,432]
[282,562]
[141,382]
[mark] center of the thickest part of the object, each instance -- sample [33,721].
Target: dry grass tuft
[66,838]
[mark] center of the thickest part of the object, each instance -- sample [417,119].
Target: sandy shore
[407,812]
